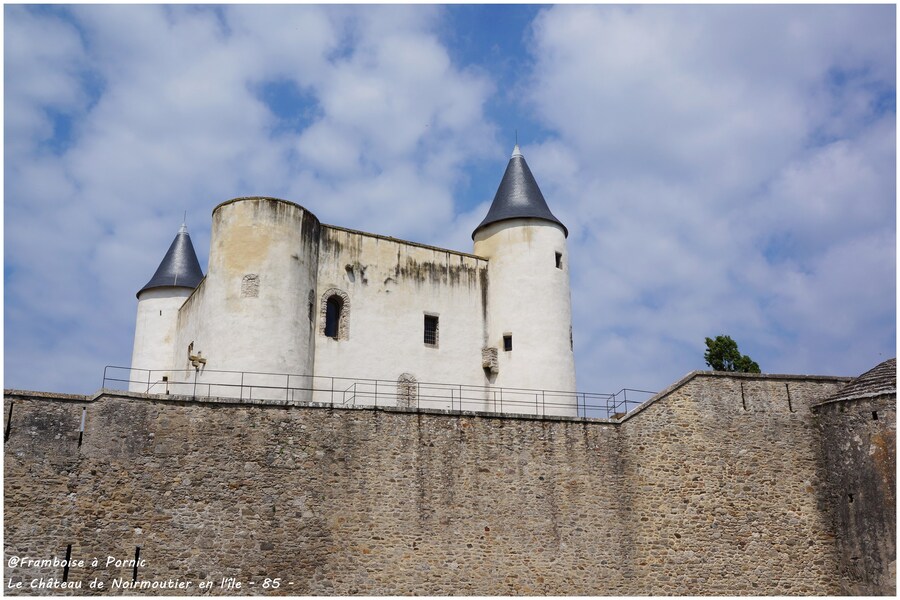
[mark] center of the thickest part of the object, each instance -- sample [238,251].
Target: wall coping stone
[181,399]
[8,393]
[731,375]
[855,398]
[405,242]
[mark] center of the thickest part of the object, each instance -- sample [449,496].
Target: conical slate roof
[880,381]
[518,196]
[179,268]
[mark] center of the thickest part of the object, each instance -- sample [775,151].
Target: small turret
[529,318]
[175,279]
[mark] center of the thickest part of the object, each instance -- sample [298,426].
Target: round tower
[152,358]
[260,294]
[529,316]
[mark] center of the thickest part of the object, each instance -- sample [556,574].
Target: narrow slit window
[559,260]
[431,330]
[333,317]
[507,342]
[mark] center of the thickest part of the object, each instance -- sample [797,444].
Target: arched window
[333,316]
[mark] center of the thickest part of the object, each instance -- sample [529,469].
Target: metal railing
[283,388]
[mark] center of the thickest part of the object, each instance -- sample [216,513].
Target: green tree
[722,354]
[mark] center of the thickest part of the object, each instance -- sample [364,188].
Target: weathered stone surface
[858,443]
[712,488]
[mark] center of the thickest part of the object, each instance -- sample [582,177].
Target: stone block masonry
[713,487]
[858,433]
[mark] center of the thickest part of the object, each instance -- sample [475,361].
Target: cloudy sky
[721,170]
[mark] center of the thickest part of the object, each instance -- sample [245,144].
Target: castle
[237,463]
[290,303]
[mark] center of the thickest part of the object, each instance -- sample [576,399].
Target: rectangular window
[507,342]
[559,260]
[431,330]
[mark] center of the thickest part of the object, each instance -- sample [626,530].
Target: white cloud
[702,201]
[720,169]
[168,114]
[46,76]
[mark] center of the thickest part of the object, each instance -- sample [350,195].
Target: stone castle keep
[287,295]
[244,457]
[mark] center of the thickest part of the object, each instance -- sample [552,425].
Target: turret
[260,306]
[529,317]
[157,315]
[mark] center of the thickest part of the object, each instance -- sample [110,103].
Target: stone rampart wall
[693,494]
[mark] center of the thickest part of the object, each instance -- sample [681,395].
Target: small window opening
[559,260]
[431,330]
[333,316]
[874,415]
[851,498]
[507,342]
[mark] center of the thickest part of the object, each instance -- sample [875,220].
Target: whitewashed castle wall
[154,336]
[528,299]
[260,314]
[391,285]
[250,313]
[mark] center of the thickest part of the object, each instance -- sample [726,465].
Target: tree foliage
[722,354]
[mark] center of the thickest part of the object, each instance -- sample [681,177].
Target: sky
[721,169]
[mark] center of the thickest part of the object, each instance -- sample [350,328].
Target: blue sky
[721,169]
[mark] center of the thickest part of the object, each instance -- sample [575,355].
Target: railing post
[543,404]
[332,392]
[149,374]
[242,385]
[376,393]
[287,388]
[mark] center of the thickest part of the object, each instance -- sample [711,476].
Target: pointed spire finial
[183,228]
[516,151]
